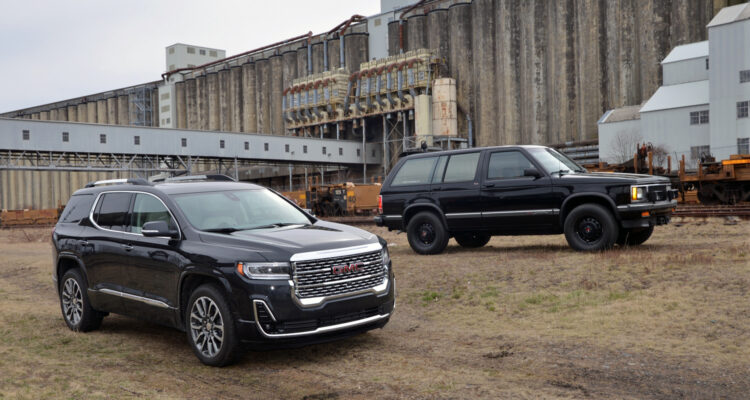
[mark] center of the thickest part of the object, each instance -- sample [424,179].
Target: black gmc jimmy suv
[229,263]
[473,194]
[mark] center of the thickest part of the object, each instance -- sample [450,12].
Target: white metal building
[178,56]
[702,106]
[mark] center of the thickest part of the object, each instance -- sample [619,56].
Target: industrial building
[702,107]
[449,73]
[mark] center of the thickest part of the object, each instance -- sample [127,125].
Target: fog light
[645,214]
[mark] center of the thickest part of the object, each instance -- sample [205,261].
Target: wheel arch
[415,208]
[578,199]
[66,262]
[189,281]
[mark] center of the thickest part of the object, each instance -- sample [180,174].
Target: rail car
[341,199]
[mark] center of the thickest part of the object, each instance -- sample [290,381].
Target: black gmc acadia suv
[473,194]
[230,263]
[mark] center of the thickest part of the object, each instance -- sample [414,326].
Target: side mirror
[158,229]
[532,172]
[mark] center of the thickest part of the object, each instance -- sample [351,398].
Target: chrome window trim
[99,196]
[145,300]
[316,331]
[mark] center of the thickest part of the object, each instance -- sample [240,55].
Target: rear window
[416,171]
[461,168]
[112,211]
[78,208]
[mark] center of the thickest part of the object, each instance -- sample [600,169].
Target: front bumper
[644,215]
[271,317]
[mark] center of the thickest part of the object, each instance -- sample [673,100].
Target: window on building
[212,53]
[324,150]
[202,52]
[191,50]
[66,137]
[103,138]
[341,151]
[184,142]
[742,107]
[137,140]
[26,134]
[171,67]
[247,145]
[696,152]
[745,76]
[373,152]
[171,50]
[706,62]
[286,148]
[169,120]
[377,22]
[165,96]
[698,117]
[265,146]
[359,152]
[743,145]
[304,149]
[165,108]
[221,144]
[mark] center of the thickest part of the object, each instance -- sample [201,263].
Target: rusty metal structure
[718,182]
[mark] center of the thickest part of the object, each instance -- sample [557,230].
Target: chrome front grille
[316,278]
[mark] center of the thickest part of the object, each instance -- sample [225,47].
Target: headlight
[386,256]
[637,193]
[264,270]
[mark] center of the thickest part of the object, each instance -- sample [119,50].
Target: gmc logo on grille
[347,268]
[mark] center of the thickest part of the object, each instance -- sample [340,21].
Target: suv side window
[148,208]
[507,164]
[461,168]
[112,211]
[416,171]
[78,208]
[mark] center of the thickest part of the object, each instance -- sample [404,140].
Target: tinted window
[147,208]
[461,168]
[507,164]
[438,176]
[113,212]
[415,172]
[78,208]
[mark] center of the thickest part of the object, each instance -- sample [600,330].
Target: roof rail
[210,177]
[132,181]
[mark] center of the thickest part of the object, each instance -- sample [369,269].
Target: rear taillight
[380,204]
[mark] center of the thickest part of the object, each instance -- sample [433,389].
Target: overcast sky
[55,50]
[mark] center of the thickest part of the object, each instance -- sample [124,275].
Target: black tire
[426,233]
[75,305]
[591,227]
[472,240]
[210,327]
[634,237]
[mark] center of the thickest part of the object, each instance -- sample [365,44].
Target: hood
[279,244]
[614,177]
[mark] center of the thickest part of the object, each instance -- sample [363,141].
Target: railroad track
[693,210]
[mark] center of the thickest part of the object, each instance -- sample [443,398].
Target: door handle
[437,188]
[127,247]
[489,185]
[83,242]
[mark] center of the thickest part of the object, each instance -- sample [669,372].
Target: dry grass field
[524,317]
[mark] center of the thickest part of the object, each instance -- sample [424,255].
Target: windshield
[555,162]
[234,210]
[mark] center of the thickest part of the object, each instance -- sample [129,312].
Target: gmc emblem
[346,269]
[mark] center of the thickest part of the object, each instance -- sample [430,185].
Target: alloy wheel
[206,326]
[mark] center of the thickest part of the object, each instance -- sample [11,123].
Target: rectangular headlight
[637,193]
[264,270]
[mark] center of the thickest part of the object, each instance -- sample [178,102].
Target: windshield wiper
[223,230]
[276,225]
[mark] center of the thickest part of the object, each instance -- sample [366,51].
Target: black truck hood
[613,177]
[281,243]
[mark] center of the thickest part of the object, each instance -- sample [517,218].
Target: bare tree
[625,145]
[660,155]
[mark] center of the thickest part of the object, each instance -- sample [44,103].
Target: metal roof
[687,52]
[677,96]
[731,14]
[627,113]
